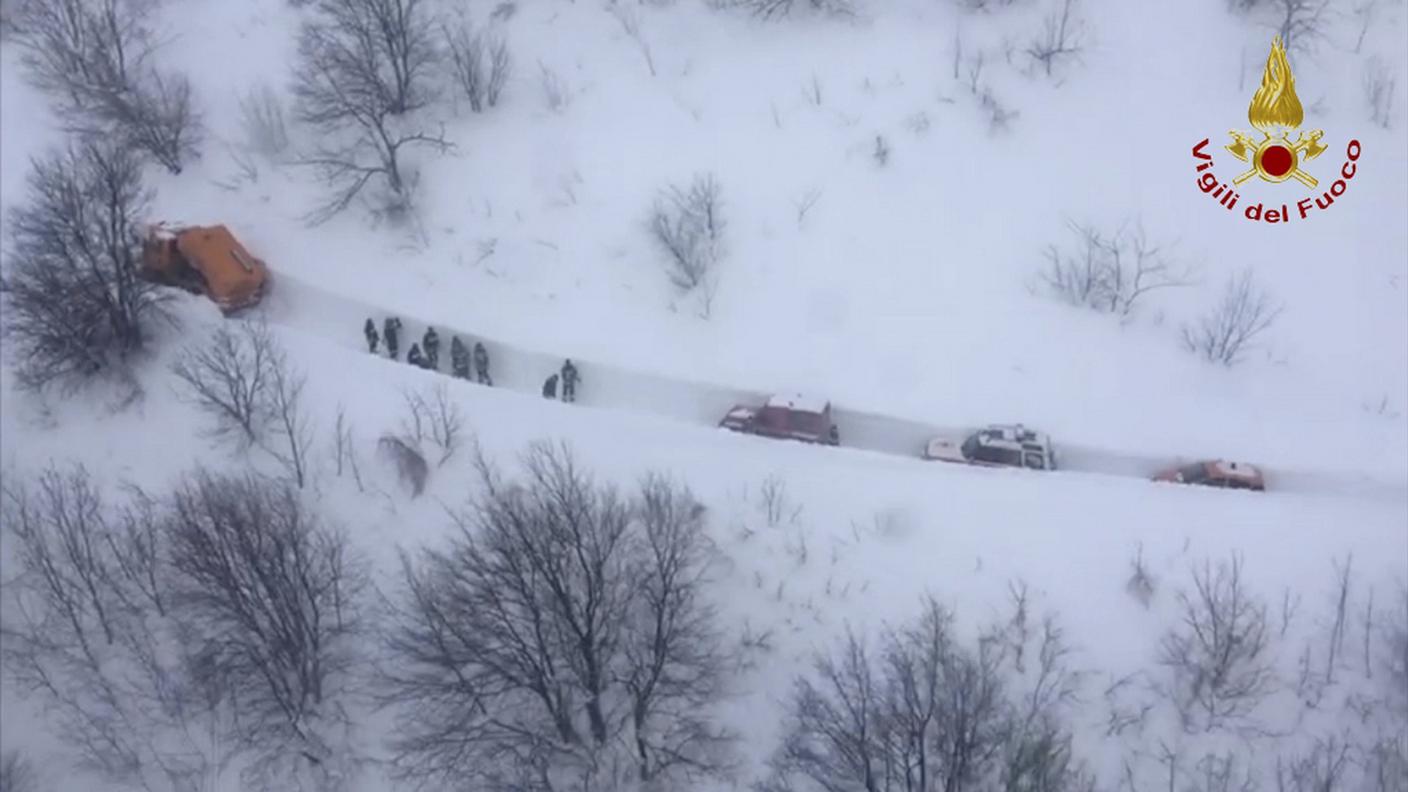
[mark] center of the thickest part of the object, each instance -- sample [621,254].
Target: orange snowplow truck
[205,260]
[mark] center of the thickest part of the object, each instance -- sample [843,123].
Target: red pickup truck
[790,417]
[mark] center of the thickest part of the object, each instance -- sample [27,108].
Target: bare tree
[272,594]
[363,67]
[1321,769]
[17,773]
[76,304]
[927,714]
[1301,23]
[688,227]
[479,63]
[1111,273]
[1232,327]
[1062,36]
[1219,653]
[345,448]
[94,59]
[291,424]
[561,626]
[91,638]
[230,378]
[1379,88]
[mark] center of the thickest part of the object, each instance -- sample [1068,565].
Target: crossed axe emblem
[1306,147]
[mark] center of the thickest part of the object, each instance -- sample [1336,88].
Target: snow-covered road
[306,308]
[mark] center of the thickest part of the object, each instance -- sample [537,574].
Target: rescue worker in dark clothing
[481,365]
[369,330]
[391,329]
[431,344]
[414,357]
[570,378]
[550,387]
[459,358]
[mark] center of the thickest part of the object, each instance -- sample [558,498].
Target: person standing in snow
[369,330]
[481,364]
[570,378]
[431,344]
[390,331]
[414,357]
[550,387]
[459,358]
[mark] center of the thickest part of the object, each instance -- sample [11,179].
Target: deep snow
[904,297]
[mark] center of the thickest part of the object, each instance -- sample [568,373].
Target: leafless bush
[265,125]
[776,503]
[1394,656]
[272,594]
[1062,36]
[17,773]
[630,24]
[411,469]
[1366,14]
[1219,653]
[561,639]
[1379,89]
[925,713]
[245,382]
[555,91]
[437,418]
[1111,273]
[1000,118]
[1225,333]
[94,59]
[881,152]
[1141,584]
[688,227]
[90,635]
[229,378]
[1225,772]
[479,62]
[76,304]
[1321,769]
[777,9]
[363,68]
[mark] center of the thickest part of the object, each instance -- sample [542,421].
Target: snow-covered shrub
[688,227]
[1225,333]
[479,63]
[436,417]
[561,639]
[93,58]
[1062,37]
[364,68]
[75,304]
[1110,273]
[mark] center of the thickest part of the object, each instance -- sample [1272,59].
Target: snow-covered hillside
[882,247]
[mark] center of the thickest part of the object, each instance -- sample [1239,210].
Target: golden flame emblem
[1276,112]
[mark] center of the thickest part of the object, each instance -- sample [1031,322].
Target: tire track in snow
[299,305]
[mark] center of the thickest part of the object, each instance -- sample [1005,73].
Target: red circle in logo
[1277,160]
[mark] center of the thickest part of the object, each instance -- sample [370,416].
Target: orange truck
[205,260]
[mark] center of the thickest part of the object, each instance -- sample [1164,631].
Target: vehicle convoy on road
[790,417]
[1216,473]
[205,260]
[996,445]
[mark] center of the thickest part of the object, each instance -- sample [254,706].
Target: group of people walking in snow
[426,355]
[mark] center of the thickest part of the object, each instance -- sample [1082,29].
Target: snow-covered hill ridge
[905,289]
[317,310]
